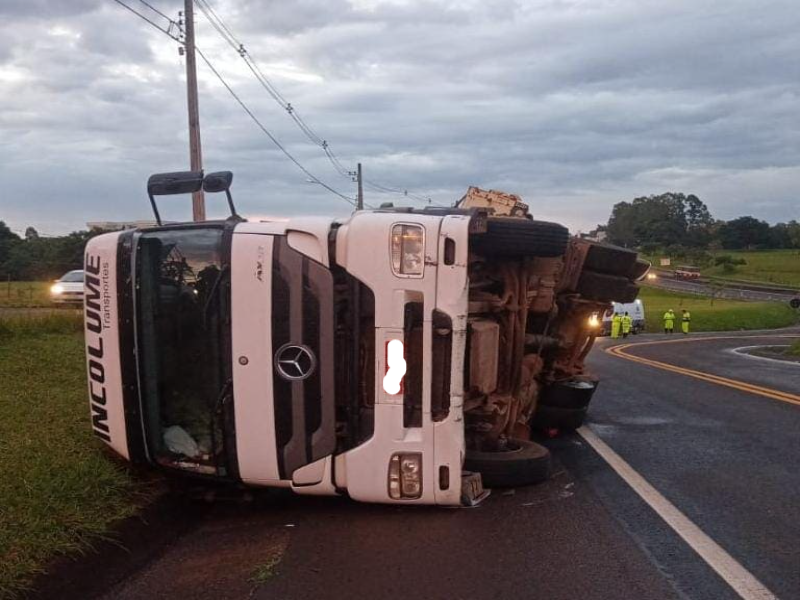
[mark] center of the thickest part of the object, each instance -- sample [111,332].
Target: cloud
[573,104]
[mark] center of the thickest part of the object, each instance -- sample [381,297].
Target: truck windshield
[180,328]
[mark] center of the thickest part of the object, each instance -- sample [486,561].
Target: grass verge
[25,294]
[58,490]
[777,267]
[722,315]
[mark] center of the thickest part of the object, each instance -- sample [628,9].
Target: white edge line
[727,567]
[741,353]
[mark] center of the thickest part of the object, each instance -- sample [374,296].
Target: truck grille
[303,362]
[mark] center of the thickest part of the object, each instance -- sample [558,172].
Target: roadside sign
[665,262]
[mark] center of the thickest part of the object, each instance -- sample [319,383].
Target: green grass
[794,349]
[58,491]
[25,294]
[55,322]
[779,267]
[265,571]
[722,315]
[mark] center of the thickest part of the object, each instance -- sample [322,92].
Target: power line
[236,97]
[153,23]
[225,32]
[389,190]
[154,9]
[267,132]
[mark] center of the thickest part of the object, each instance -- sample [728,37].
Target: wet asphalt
[729,460]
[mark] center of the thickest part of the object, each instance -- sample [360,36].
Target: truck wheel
[572,393]
[551,417]
[526,463]
[606,288]
[508,237]
[611,260]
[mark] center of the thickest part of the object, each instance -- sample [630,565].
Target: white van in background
[635,309]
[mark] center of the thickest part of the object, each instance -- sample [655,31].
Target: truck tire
[527,464]
[611,260]
[571,393]
[551,417]
[509,237]
[606,288]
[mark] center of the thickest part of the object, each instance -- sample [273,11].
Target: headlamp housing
[405,476]
[408,250]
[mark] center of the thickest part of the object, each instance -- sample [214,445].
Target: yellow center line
[743,386]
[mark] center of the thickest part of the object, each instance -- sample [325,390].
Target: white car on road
[68,289]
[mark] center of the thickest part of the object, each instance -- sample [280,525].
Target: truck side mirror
[188,182]
[180,182]
[217,182]
[220,182]
[166,184]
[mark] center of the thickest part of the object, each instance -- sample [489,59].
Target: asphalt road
[724,457]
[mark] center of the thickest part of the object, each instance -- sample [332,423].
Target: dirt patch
[223,557]
[129,547]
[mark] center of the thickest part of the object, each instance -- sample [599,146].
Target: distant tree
[745,233]
[794,233]
[786,235]
[699,222]
[667,219]
[35,257]
[8,239]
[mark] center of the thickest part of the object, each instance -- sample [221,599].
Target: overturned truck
[398,355]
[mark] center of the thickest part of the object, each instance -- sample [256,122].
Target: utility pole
[195,152]
[360,197]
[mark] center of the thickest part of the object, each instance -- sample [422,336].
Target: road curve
[723,457]
[726,457]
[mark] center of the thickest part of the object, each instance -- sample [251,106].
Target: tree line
[33,257]
[674,222]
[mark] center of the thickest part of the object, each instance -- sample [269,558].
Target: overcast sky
[573,104]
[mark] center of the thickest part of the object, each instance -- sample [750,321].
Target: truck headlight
[405,476]
[594,321]
[57,289]
[408,250]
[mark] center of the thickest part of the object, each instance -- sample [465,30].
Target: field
[779,267]
[722,315]
[25,294]
[58,490]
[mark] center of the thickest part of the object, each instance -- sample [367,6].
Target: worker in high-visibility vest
[685,319]
[616,325]
[627,325]
[669,321]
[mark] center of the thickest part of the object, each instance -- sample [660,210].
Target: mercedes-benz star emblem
[295,362]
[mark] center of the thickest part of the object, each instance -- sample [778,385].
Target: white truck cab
[364,356]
